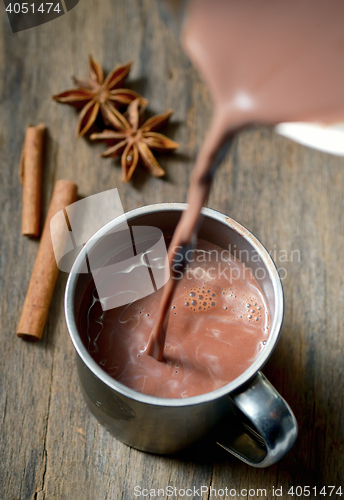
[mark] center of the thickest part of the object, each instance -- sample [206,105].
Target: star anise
[96,94]
[134,142]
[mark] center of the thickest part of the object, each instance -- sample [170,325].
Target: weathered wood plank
[289,196]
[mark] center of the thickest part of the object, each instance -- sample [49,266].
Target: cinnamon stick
[31,178]
[45,270]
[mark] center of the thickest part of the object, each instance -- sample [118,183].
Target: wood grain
[288,195]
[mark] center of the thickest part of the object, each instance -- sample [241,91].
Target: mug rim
[248,374]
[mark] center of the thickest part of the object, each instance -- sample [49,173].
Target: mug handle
[274,425]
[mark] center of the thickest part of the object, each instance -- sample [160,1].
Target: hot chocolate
[219,323]
[264,62]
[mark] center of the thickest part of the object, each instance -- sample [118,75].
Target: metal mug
[264,425]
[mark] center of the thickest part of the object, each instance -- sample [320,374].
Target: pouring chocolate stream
[264,62]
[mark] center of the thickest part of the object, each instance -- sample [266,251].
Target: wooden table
[291,197]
